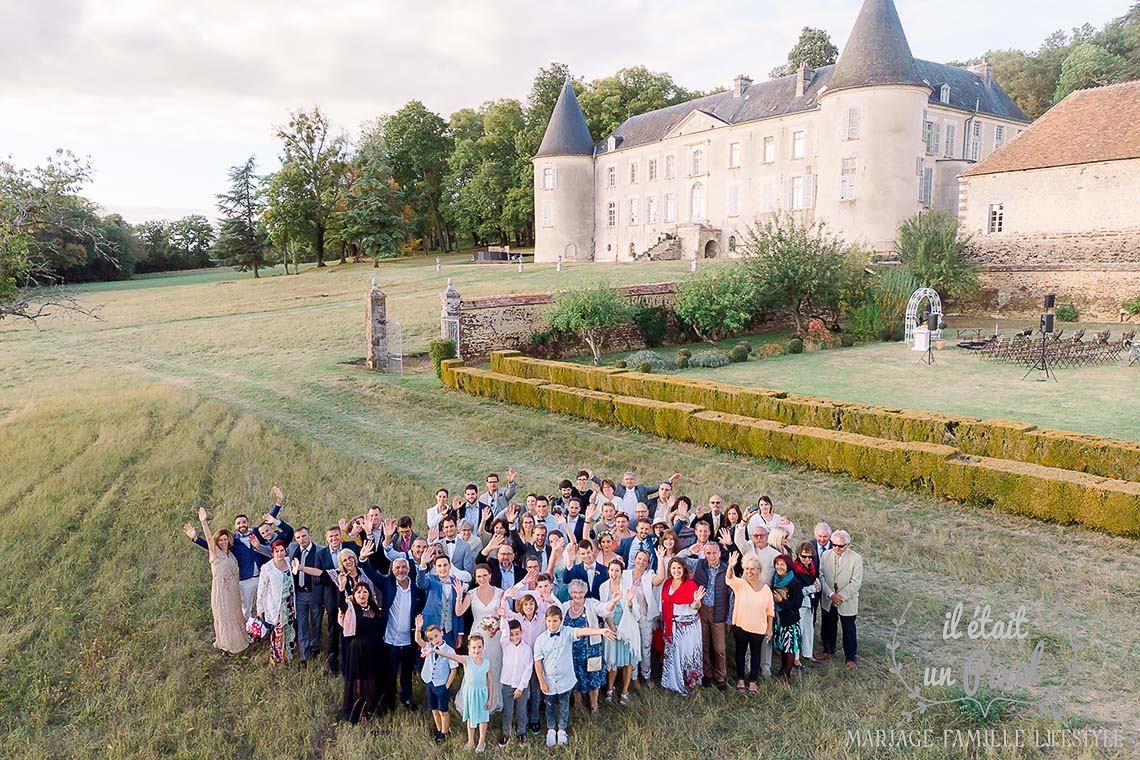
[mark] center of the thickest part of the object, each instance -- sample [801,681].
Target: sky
[164,96]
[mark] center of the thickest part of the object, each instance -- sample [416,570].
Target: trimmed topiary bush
[1067,312]
[708,359]
[440,350]
[795,346]
[681,361]
[739,353]
[652,358]
[847,340]
[747,346]
[621,364]
[645,367]
[685,353]
[768,350]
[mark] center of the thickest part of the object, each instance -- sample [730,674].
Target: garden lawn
[113,432]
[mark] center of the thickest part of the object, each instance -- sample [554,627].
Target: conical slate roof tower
[566,133]
[877,52]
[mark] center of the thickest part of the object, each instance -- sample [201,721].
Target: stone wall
[1017,291]
[508,322]
[1067,249]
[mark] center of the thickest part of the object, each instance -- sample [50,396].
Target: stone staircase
[666,249]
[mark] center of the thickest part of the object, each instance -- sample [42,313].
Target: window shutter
[809,191]
[949,140]
[937,139]
[554,177]
[787,195]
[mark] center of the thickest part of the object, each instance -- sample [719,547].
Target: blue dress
[619,654]
[472,702]
[583,651]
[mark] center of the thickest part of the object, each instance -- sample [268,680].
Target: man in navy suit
[505,569]
[643,538]
[822,540]
[402,600]
[587,569]
[331,559]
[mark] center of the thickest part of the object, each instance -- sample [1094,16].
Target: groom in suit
[841,576]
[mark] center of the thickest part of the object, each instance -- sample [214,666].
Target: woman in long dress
[363,655]
[276,603]
[680,599]
[225,589]
[624,652]
[589,656]
[484,601]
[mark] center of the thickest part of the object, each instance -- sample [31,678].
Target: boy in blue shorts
[438,673]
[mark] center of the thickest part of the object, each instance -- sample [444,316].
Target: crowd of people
[577,596]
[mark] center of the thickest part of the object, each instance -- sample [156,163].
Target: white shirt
[629,503]
[399,632]
[518,662]
[449,545]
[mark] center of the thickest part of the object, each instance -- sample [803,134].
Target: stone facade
[508,322]
[377,329]
[1097,293]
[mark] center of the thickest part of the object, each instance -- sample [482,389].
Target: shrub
[589,313]
[685,353]
[681,361]
[847,340]
[930,248]
[747,346]
[768,350]
[708,359]
[795,346]
[1132,307]
[652,322]
[717,302]
[739,353]
[439,350]
[645,367]
[1067,312]
[620,364]
[866,323]
[652,358]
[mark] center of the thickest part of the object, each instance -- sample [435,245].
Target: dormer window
[613,142]
[944,94]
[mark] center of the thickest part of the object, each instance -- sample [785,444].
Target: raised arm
[278,501]
[207,534]
[462,598]
[447,655]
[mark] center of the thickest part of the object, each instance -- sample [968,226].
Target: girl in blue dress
[474,698]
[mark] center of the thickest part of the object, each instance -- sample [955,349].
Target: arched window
[697,206]
[698,162]
[732,243]
[944,93]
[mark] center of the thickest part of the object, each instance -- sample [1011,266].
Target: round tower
[869,174]
[564,185]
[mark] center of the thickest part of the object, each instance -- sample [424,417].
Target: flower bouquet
[489,625]
[255,629]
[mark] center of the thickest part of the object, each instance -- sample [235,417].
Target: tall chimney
[984,69]
[740,84]
[803,79]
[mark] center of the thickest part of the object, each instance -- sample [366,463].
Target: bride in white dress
[484,602]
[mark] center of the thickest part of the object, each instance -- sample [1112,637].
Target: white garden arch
[920,295]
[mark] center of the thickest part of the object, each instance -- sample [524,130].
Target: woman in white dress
[484,602]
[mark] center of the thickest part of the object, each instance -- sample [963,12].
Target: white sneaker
[551,737]
[562,738]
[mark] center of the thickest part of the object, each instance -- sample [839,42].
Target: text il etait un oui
[979,666]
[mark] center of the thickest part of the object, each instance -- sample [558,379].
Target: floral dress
[282,638]
[583,651]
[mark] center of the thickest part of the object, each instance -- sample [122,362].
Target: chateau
[862,144]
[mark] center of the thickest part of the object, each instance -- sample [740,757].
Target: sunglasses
[839,546]
[806,556]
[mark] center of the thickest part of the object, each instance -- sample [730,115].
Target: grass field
[112,432]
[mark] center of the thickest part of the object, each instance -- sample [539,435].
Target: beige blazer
[841,575]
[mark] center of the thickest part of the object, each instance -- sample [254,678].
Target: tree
[155,237]
[609,101]
[1088,65]
[38,221]
[1026,78]
[416,146]
[814,48]
[242,242]
[313,165]
[190,239]
[931,249]
[717,303]
[289,211]
[589,313]
[370,220]
[799,269]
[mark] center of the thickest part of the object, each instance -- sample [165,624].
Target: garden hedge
[1000,439]
[1057,494]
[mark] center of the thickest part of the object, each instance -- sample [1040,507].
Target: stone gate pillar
[449,315]
[377,329]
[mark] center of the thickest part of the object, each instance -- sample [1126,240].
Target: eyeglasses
[715,502]
[839,546]
[807,556]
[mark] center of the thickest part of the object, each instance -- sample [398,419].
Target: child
[438,672]
[474,700]
[531,624]
[518,669]
[554,666]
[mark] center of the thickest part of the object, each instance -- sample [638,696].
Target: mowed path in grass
[111,433]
